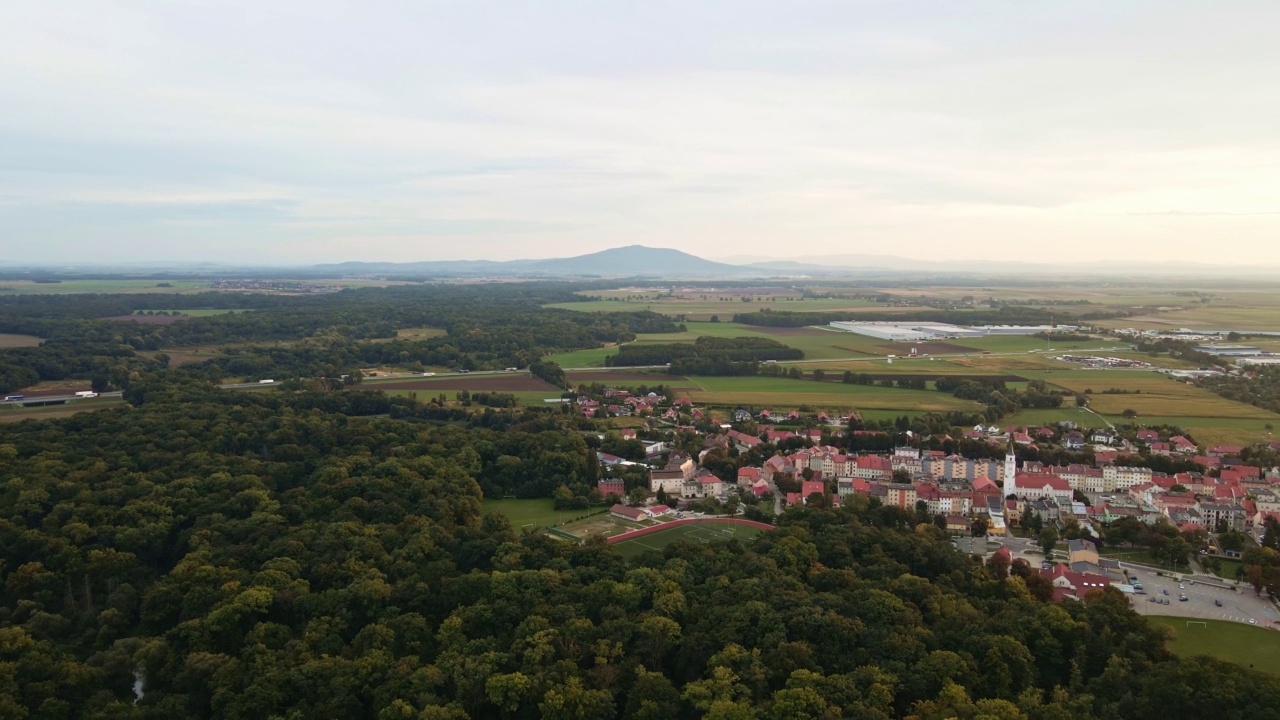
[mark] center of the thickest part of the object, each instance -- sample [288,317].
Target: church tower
[1010,469]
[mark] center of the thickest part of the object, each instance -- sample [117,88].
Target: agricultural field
[205,312]
[697,308]
[1247,645]
[18,341]
[700,532]
[68,287]
[784,393]
[420,333]
[816,343]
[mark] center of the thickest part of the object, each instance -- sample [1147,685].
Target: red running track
[673,523]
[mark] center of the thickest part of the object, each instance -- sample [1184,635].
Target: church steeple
[1010,468]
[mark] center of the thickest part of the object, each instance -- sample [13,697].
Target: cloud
[302,130]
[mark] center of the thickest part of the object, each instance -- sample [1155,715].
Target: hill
[632,260]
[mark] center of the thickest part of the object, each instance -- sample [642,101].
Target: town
[1194,519]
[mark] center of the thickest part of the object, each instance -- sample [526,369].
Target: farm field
[1160,395]
[420,333]
[698,309]
[19,341]
[1247,645]
[816,343]
[1051,416]
[508,382]
[622,376]
[788,393]
[1214,430]
[706,531]
[67,287]
[206,312]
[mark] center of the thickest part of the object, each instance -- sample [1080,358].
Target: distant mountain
[633,260]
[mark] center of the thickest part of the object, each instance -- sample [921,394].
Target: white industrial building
[1021,329]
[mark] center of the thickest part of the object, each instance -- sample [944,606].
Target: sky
[318,131]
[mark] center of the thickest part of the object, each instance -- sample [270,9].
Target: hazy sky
[320,130]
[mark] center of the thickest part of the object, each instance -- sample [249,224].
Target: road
[56,398]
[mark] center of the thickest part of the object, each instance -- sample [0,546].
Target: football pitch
[1248,645]
[700,532]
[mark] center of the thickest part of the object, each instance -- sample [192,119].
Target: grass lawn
[1247,645]
[19,341]
[539,512]
[1227,568]
[692,532]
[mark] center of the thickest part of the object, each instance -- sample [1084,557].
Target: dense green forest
[713,349]
[247,557]
[487,327]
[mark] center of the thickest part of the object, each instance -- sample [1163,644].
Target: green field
[816,343]
[1039,418]
[785,393]
[67,287]
[700,532]
[696,308]
[538,512]
[1247,645]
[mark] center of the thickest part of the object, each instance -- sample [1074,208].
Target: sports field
[530,512]
[700,532]
[1247,645]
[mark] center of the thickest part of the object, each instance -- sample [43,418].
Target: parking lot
[1239,606]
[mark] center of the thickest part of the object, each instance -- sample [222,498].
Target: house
[1044,485]
[1148,436]
[958,525]
[1073,441]
[1182,445]
[740,415]
[627,433]
[810,487]
[748,476]
[742,442]
[634,514]
[669,481]
[611,486]
[1224,450]
[1082,551]
[1071,585]
[608,460]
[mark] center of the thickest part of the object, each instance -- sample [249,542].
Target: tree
[1048,540]
[978,528]
[1130,413]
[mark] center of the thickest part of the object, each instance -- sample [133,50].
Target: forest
[234,556]
[322,552]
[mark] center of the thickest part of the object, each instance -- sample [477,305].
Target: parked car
[1182,598]
[1217,602]
[1166,592]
